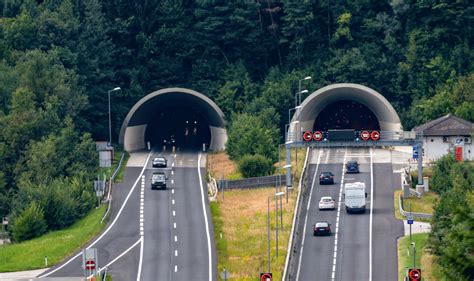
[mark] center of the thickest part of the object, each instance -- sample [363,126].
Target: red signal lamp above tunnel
[341,135]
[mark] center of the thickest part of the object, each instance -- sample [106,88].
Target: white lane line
[118,257]
[175,253]
[306,217]
[172,172]
[172,181]
[175,268]
[141,260]
[175,238]
[174,225]
[172,201]
[172,165]
[333,275]
[205,218]
[371,213]
[174,213]
[172,191]
[111,225]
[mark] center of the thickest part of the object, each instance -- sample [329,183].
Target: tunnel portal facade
[176,117]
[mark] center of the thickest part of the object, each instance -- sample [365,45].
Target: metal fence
[255,182]
[112,178]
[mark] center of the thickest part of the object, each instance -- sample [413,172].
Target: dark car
[326,178]
[352,167]
[322,228]
[158,180]
[159,162]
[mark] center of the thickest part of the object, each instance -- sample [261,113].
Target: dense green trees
[452,236]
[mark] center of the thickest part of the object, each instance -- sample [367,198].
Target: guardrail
[254,182]
[109,193]
[295,217]
[415,215]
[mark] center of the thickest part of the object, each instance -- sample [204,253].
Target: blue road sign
[410,221]
[415,152]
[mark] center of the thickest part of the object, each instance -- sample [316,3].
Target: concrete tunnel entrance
[345,106]
[174,116]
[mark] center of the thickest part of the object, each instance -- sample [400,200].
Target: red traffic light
[266,276]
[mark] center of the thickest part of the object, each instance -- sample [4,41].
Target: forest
[58,59]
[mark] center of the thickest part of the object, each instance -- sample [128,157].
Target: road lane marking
[172,191]
[172,201]
[205,218]
[111,225]
[175,268]
[371,213]
[175,238]
[333,275]
[175,253]
[172,165]
[174,213]
[174,225]
[139,273]
[172,173]
[306,216]
[172,181]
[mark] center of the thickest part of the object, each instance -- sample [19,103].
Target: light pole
[110,119]
[414,254]
[268,225]
[299,87]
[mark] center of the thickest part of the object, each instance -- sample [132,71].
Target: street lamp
[289,113]
[414,254]
[268,224]
[110,119]
[299,86]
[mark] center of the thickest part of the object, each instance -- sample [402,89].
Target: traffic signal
[267,276]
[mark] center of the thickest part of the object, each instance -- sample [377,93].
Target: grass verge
[427,262]
[240,224]
[56,245]
[423,205]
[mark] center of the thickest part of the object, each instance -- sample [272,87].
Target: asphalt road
[167,238]
[321,258]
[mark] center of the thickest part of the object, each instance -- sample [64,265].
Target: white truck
[354,197]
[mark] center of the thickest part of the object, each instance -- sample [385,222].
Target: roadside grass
[56,245]
[241,218]
[427,262]
[423,205]
[219,165]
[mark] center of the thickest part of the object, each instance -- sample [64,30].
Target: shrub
[255,166]
[29,223]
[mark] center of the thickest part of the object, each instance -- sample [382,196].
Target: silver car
[327,203]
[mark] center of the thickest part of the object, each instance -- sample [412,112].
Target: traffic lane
[353,241]
[122,234]
[192,259]
[125,268]
[386,228]
[156,261]
[317,259]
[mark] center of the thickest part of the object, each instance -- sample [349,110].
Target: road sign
[414,274]
[225,274]
[307,136]
[415,152]
[90,265]
[266,276]
[365,135]
[410,221]
[317,136]
[375,135]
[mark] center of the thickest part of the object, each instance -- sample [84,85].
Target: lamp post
[110,119]
[299,87]
[414,254]
[268,224]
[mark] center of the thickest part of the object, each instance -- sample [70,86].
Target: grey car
[158,180]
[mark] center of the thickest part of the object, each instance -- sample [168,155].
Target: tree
[255,166]
[29,223]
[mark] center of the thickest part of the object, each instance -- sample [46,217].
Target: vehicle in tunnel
[159,162]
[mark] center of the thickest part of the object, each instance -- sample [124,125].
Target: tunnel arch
[318,101]
[141,119]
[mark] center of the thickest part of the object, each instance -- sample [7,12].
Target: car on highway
[321,228]
[159,162]
[352,167]
[327,203]
[158,180]
[326,178]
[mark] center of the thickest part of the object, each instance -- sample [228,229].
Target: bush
[29,223]
[255,166]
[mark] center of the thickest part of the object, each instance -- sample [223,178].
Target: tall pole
[420,163]
[410,224]
[414,254]
[276,222]
[268,236]
[110,122]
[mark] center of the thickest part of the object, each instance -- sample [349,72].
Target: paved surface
[416,227]
[148,248]
[21,274]
[321,258]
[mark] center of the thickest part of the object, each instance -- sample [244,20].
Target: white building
[447,133]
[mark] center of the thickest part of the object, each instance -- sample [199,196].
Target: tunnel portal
[176,117]
[346,114]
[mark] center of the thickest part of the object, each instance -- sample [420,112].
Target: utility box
[105,158]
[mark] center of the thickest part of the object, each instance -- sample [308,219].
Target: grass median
[240,226]
[56,245]
[424,259]
[424,204]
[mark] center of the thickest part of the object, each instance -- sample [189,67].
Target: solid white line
[371,213]
[118,257]
[333,275]
[306,216]
[141,259]
[205,218]
[111,225]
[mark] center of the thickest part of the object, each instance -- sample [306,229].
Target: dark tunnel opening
[346,114]
[181,126]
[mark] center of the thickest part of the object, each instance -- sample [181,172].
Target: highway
[361,246]
[155,234]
